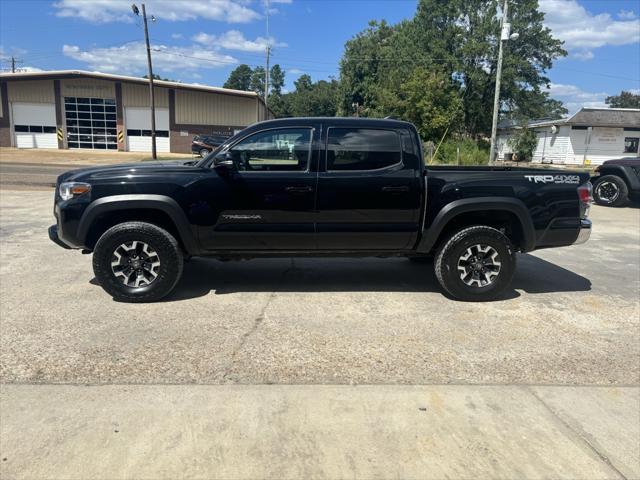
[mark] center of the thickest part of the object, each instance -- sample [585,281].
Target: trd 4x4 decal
[575,179]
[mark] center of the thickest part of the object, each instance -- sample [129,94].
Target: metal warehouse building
[77,109]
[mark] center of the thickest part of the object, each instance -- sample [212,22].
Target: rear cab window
[362,149]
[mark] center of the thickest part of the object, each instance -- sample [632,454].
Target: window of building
[147,133]
[91,122]
[631,144]
[362,149]
[283,149]
[34,129]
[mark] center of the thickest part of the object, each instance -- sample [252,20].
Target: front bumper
[584,233]
[53,236]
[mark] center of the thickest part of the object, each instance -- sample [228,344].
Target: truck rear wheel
[137,262]
[611,191]
[475,264]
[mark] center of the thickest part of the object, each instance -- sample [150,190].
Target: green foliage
[458,40]
[276,80]
[624,100]
[309,99]
[523,142]
[471,153]
[431,103]
[239,78]
[158,77]
[257,81]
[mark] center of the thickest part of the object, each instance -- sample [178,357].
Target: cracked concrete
[540,384]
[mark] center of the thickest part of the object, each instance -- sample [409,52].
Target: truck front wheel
[475,264]
[137,262]
[611,191]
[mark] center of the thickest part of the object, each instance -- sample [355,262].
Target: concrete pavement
[296,432]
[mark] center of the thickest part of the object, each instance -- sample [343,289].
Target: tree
[459,40]
[624,100]
[523,142]
[158,77]
[257,81]
[431,103]
[239,78]
[276,80]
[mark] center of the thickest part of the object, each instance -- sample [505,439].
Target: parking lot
[571,319]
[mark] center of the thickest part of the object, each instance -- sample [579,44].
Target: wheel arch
[160,210]
[490,211]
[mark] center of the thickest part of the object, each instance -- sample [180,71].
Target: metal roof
[586,116]
[52,74]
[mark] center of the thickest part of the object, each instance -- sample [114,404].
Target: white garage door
[34,125]
[138,124]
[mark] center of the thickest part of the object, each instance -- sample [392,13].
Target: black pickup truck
[316,187]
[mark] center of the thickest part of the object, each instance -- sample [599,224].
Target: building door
[137,121]
[34,125]
[91,123]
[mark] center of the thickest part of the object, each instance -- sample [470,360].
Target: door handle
[395,188]
[303,189]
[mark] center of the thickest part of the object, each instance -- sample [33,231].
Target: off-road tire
[168,251]
[451,250]
[622,197]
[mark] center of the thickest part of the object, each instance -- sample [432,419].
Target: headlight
[69,190]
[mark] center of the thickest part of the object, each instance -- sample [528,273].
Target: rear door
[368,190]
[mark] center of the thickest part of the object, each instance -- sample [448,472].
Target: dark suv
[204,144]
[616,182]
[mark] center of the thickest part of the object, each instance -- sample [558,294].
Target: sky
[201,41]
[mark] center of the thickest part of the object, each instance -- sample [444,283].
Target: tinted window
[274,150]
[362,149]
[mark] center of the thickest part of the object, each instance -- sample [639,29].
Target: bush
[523,142]
[471,153]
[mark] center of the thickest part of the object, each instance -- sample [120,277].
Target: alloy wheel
[135,263]
[479,265]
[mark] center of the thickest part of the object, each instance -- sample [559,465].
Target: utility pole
[266,71]
[13,65]
[152,98]
[505,28]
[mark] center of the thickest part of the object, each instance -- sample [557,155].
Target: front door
[269,196]
[368,191]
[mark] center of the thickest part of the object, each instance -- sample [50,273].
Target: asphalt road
[571,318]
[31,174]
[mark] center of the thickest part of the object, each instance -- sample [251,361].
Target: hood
[128,170]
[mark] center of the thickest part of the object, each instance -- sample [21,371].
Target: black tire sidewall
[622,191]
[160,240]
[452,251]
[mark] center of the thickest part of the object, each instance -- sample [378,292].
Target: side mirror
[224,161]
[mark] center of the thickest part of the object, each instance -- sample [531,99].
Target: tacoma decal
[573,179]
[242,217]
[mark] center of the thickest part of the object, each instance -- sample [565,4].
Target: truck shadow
[202,276]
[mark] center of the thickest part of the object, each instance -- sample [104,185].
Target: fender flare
[140,201]
[624,172]
[480,204]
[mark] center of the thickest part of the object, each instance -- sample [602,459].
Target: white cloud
[583,31]
[295,71]
[105,11]
[177,36]
[574,97]
[627,14]
[131,59]
[235,40]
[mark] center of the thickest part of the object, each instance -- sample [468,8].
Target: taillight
[584,194]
